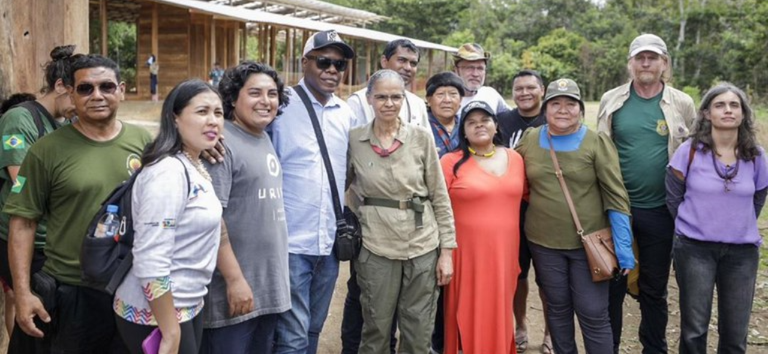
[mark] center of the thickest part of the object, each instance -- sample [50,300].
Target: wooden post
[155,31]
[430,53]
[236,43]
[104,23]
[350,70]
[272,46]
[368,45]
[214,59]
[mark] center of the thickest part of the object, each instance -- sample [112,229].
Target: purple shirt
[708,212]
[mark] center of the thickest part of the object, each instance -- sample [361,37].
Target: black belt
[416,204]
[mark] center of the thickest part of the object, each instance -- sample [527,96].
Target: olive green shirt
[65,177]
[19,132]
[412,170]
[594,180]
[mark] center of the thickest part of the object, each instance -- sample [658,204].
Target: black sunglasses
[325,63]
[104,87]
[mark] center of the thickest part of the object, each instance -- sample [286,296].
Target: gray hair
[383,74]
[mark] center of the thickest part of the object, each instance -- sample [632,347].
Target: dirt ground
[146,113]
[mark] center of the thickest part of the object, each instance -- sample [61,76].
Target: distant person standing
[216,74]
[154,67]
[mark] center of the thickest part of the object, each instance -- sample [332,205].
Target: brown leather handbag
[601,255]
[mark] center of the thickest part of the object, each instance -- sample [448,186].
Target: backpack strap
[36,109]
[127,263]
[690,159]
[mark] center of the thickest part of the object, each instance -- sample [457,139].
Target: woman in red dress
[486,183]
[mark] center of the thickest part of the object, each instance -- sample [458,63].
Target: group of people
[234,208]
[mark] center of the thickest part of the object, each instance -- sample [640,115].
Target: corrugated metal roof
[311,9]
[246,15]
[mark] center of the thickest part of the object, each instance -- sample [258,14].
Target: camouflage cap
[471,51]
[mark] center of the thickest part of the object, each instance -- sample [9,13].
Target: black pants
[134,334]
[38,259]
[21,342]
[352,320]
[653,230]
[81,323]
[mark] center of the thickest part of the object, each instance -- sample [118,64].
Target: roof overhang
[246,15]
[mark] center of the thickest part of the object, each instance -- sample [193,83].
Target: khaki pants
[406,286]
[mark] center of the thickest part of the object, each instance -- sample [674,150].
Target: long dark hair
[746,145]
[168,140]
[464,142]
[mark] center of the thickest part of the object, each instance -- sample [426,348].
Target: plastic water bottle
[109,223]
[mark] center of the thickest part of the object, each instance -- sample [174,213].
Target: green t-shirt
[594,181]
[18,132]
[64,178]
[640,134]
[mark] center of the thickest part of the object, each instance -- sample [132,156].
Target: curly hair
[746,144]
[234,80]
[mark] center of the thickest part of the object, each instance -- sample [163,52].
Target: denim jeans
[352,321]
[699,266]
[313,279]
[565,278]
[653,229]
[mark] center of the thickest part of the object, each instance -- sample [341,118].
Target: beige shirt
[412,170]
[678,108]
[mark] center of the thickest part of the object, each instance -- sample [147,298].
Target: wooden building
[188,36]
[28,32]
[186,44]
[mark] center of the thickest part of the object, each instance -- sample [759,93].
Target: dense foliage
[709,40]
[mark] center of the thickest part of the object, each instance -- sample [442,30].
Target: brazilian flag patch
[13,142]
[19,184]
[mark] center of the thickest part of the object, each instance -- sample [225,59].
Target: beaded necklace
[729,174]
[473,152]
[198,166]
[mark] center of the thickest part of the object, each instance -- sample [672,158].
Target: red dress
[478,301]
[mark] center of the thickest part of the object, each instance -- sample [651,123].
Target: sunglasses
[107,88]
[324,63]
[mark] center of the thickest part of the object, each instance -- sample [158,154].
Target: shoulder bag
[348,231]
[598,245]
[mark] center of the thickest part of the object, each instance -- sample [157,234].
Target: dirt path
[147,113]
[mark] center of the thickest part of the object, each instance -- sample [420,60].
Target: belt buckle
[403,204]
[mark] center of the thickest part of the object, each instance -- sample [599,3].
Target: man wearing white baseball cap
[647,120]
[307,195]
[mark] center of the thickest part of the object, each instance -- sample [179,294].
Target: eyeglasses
[396,98]
[324,63]
[107,88]
[472,68]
